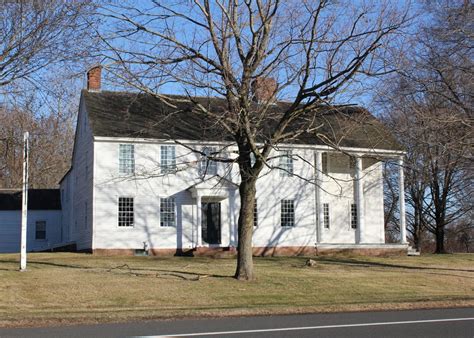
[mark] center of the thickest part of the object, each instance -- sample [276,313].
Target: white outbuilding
[44,220]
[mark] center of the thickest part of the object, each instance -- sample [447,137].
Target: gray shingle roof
[122,114]
[38,199]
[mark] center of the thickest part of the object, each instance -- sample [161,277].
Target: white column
[199,221]
[319,202]
[360,199]
[232,230]
[24,207]
[401,199]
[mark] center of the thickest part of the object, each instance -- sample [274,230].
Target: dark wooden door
[211,223]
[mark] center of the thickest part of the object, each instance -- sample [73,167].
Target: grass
[68,288]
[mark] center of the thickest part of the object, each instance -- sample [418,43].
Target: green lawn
[71,288]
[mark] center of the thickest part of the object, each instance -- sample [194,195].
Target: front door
[211,223]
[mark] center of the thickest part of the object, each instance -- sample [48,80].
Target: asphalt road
[414,323]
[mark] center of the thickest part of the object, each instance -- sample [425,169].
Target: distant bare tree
[37,34]
[44,48]
[306,52]
[50,146]
[429,106]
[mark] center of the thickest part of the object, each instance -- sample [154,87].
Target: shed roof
[38,199]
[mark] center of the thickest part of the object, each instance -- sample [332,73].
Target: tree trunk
[244,254]
[416,240]
[439,240]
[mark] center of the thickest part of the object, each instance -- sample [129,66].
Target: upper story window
[125,212]
[167,212]
[126,159]
[207,166]
[40,231]
[352,163]
[286,163]
[287,213]
[252,159]
[168,159]
[354,216]
[324,164]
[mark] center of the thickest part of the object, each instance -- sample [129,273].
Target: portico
[359,212]
[220,226]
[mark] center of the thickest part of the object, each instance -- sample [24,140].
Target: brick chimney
[264,88]
[94,76]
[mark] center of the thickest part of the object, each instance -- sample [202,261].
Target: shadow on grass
[121,267]
[70,266]
[357,262]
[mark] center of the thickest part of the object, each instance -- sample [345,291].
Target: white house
[135,183]
[44,229]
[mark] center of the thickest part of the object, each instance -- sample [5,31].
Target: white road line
[315,327]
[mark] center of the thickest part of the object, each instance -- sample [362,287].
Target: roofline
[64,176]
[356,151]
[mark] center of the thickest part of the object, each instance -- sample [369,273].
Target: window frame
[126,164]
[168,165]
[291,212]
[42,231]
[286,163]
[175,221]
[133,212]
[325,163]
[205,164]
[353,214]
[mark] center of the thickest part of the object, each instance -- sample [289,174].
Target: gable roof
[38,199]
[138,115]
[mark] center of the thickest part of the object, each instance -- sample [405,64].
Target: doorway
[211,222]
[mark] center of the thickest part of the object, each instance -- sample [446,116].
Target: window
[252,159]
[167,212]
[255,215]
[286,163]
[40,232]
[126,159]
[207,166]
[352,163]
[287,213]
[326,215]
[354,216]
[324,164]
[125,212]
[168,159]
[86,210]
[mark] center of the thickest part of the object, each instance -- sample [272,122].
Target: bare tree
[429,106]
[305,52]
[44,49]
[50,144]
[38,34]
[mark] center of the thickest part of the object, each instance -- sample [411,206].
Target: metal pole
[24,208]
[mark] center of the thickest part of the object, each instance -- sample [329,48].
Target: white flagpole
[24,207]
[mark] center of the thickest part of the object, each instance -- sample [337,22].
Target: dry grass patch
[63,287]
